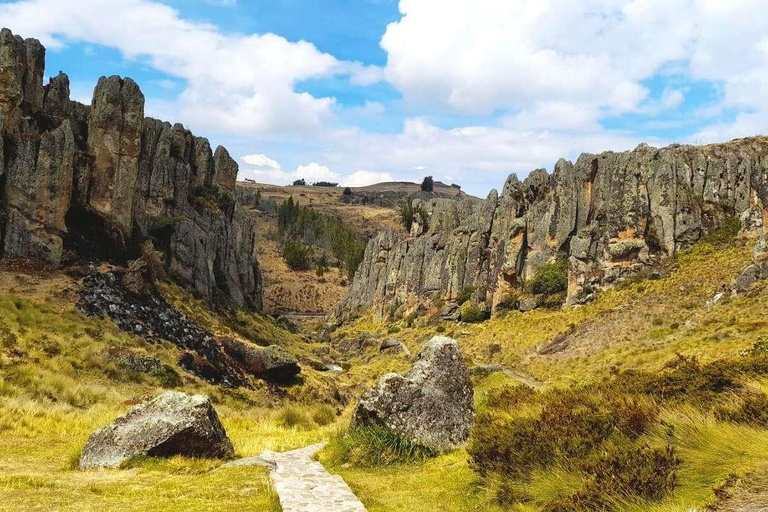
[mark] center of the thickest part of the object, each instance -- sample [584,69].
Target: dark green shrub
[465,294]
[375,447]
[297,255]
[552,278]
[300,183]
[347,191]
[409,214]
[327,184]
[473,314]
[428,184]
[509,301]
[726,233]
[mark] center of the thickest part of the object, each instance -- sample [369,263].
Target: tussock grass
[374,447]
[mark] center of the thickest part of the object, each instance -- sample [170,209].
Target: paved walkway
[303,484]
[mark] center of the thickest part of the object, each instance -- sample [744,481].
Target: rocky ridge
[98,180]
[611,215]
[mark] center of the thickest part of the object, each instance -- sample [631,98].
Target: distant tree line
[302,229]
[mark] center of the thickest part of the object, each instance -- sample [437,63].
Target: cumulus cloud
[261,161]
[235,82]
[365,178]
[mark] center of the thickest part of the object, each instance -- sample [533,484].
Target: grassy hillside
[58,383]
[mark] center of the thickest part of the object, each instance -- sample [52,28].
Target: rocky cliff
[100,180]
[610,214]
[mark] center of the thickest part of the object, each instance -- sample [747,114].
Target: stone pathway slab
[303,484]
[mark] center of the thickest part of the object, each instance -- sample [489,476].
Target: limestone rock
[114,139]
[432,405]
[270,363]
[172,424]
[612,215]
[86,177]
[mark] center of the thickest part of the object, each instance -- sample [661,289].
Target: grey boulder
[272,363]
[172,424]
[432,405]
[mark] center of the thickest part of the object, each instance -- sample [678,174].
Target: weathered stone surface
[172,424]
[432,405]
[225,169]
[100,179]
[612,215]
[114,139]
[271,363]
[38,193]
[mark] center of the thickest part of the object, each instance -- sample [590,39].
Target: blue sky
[358,91]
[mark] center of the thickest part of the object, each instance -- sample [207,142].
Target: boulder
[272,363]
[394,344]
[172,424]
[432,405]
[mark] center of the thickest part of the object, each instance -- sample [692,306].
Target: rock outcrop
[172,424]
[272,363]
[611,215]
[98,180]
[433,405]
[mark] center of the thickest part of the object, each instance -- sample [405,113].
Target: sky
[467,91]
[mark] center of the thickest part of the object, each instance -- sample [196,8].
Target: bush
[294,416]
[300,183]
[753,410]
[375,447]
[408,214]
[726,234]
[347,191]
[324,415]
[297,255]
[551,279]
[325,184]
[428,184]
[465,294]
[509,301]
[473,314]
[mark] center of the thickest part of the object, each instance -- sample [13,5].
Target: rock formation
[432,405]
[610,215]
[100,179]
[172,424]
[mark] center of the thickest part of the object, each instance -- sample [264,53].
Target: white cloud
[365,178]
[235,82]
[261,161]
[315,172]
[420,168]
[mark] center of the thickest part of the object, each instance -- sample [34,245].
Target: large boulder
[270,363]
[432,405]
[172,424]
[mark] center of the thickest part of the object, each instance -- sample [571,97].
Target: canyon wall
[611,215]
[98,181]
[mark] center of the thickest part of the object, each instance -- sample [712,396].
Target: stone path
[303,484]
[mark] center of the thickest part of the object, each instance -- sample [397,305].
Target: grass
[56,387]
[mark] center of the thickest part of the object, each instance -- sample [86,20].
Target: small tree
[428,184]
[322,265]
[300,183]
[297,256]
[347,191]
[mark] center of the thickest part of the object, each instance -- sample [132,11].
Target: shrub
[473,314]
[465,294]
[753,410]
[325,184]
[347,191]
[758,348]
[408,214]
[551,279]
[428,184]
[324,415]
[297,256]
[300,183]
[294,416]
[509,301]
[374,447]
[393,329]
[726,233]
